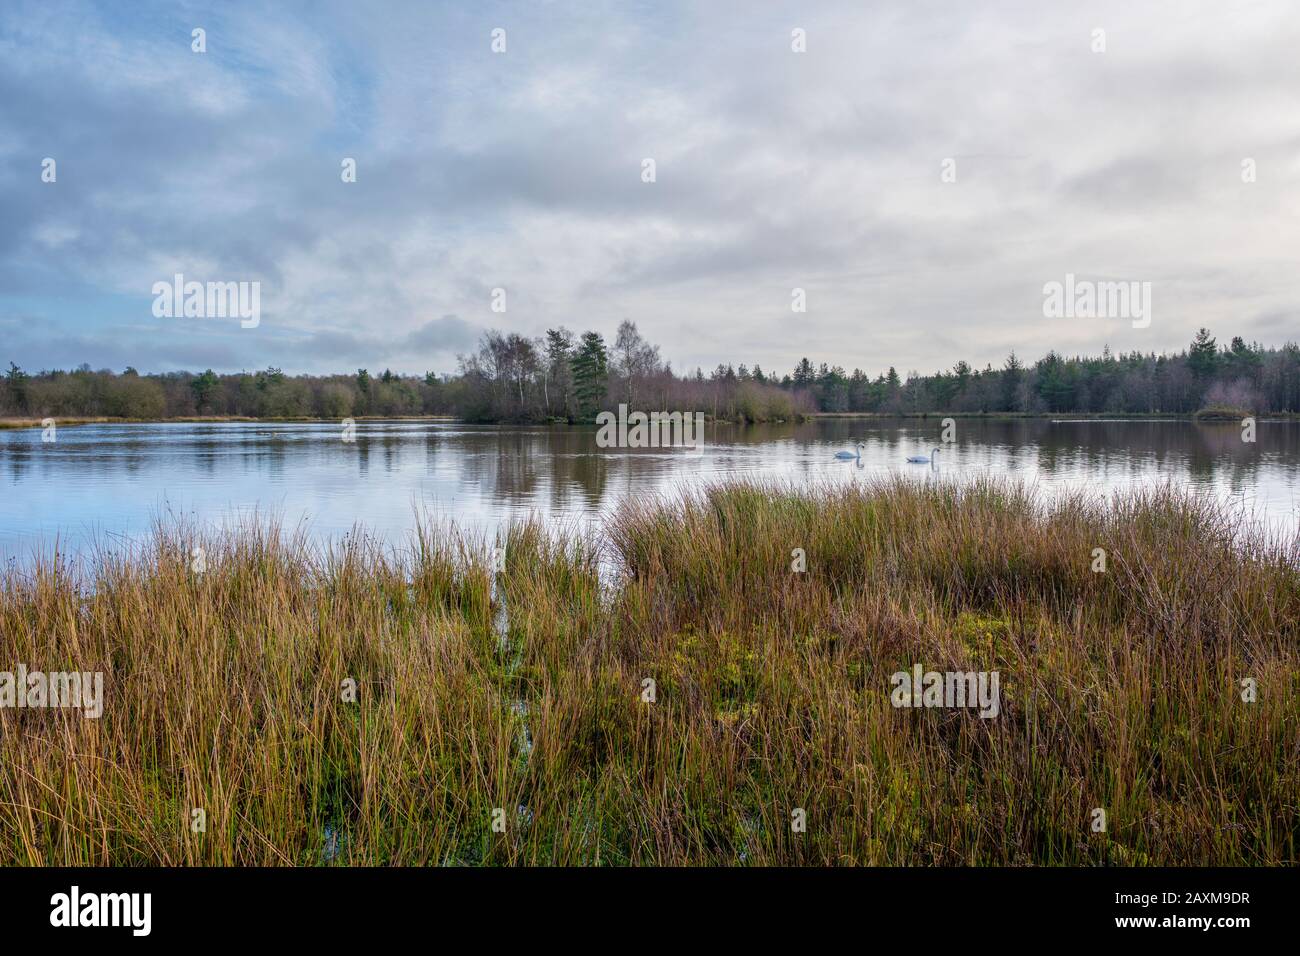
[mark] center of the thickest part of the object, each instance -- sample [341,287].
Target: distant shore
[6,423]
[1204,415]
[1221,416]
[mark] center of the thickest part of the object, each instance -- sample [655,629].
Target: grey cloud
[774,170]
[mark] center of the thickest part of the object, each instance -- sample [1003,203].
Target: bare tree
[635,359]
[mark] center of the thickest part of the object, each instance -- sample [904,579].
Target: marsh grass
[523,691]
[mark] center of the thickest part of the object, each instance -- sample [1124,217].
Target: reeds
[506,717]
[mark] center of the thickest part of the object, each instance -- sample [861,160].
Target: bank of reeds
[519,700]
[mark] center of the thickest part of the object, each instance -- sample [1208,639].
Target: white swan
[923,459]
[848,455]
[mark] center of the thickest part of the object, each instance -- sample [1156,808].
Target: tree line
[568,377]
[1205,375]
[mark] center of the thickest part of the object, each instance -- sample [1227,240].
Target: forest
[564,376]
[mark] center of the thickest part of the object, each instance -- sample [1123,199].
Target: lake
[102,482]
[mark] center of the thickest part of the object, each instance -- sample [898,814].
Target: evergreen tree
[1203,355]
[1055,383]
[590,374]
[1013,374]
[17,382]
[804,375]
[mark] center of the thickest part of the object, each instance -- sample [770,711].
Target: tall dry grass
[520,694]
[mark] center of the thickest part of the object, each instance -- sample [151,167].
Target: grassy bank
[523,691]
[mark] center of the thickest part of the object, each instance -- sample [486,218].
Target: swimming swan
[923,459]
[848,455]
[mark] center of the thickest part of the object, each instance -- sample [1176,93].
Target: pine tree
[1012,375]
[17,380]
[1203,354]
[590,374]
[804,375]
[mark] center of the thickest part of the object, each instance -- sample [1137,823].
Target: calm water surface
[105,482]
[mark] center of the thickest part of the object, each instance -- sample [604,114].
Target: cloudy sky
[522,170]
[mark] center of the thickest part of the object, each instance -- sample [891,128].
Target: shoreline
[71,420]
[1196,417]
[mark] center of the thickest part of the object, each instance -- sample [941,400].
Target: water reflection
[115,479]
